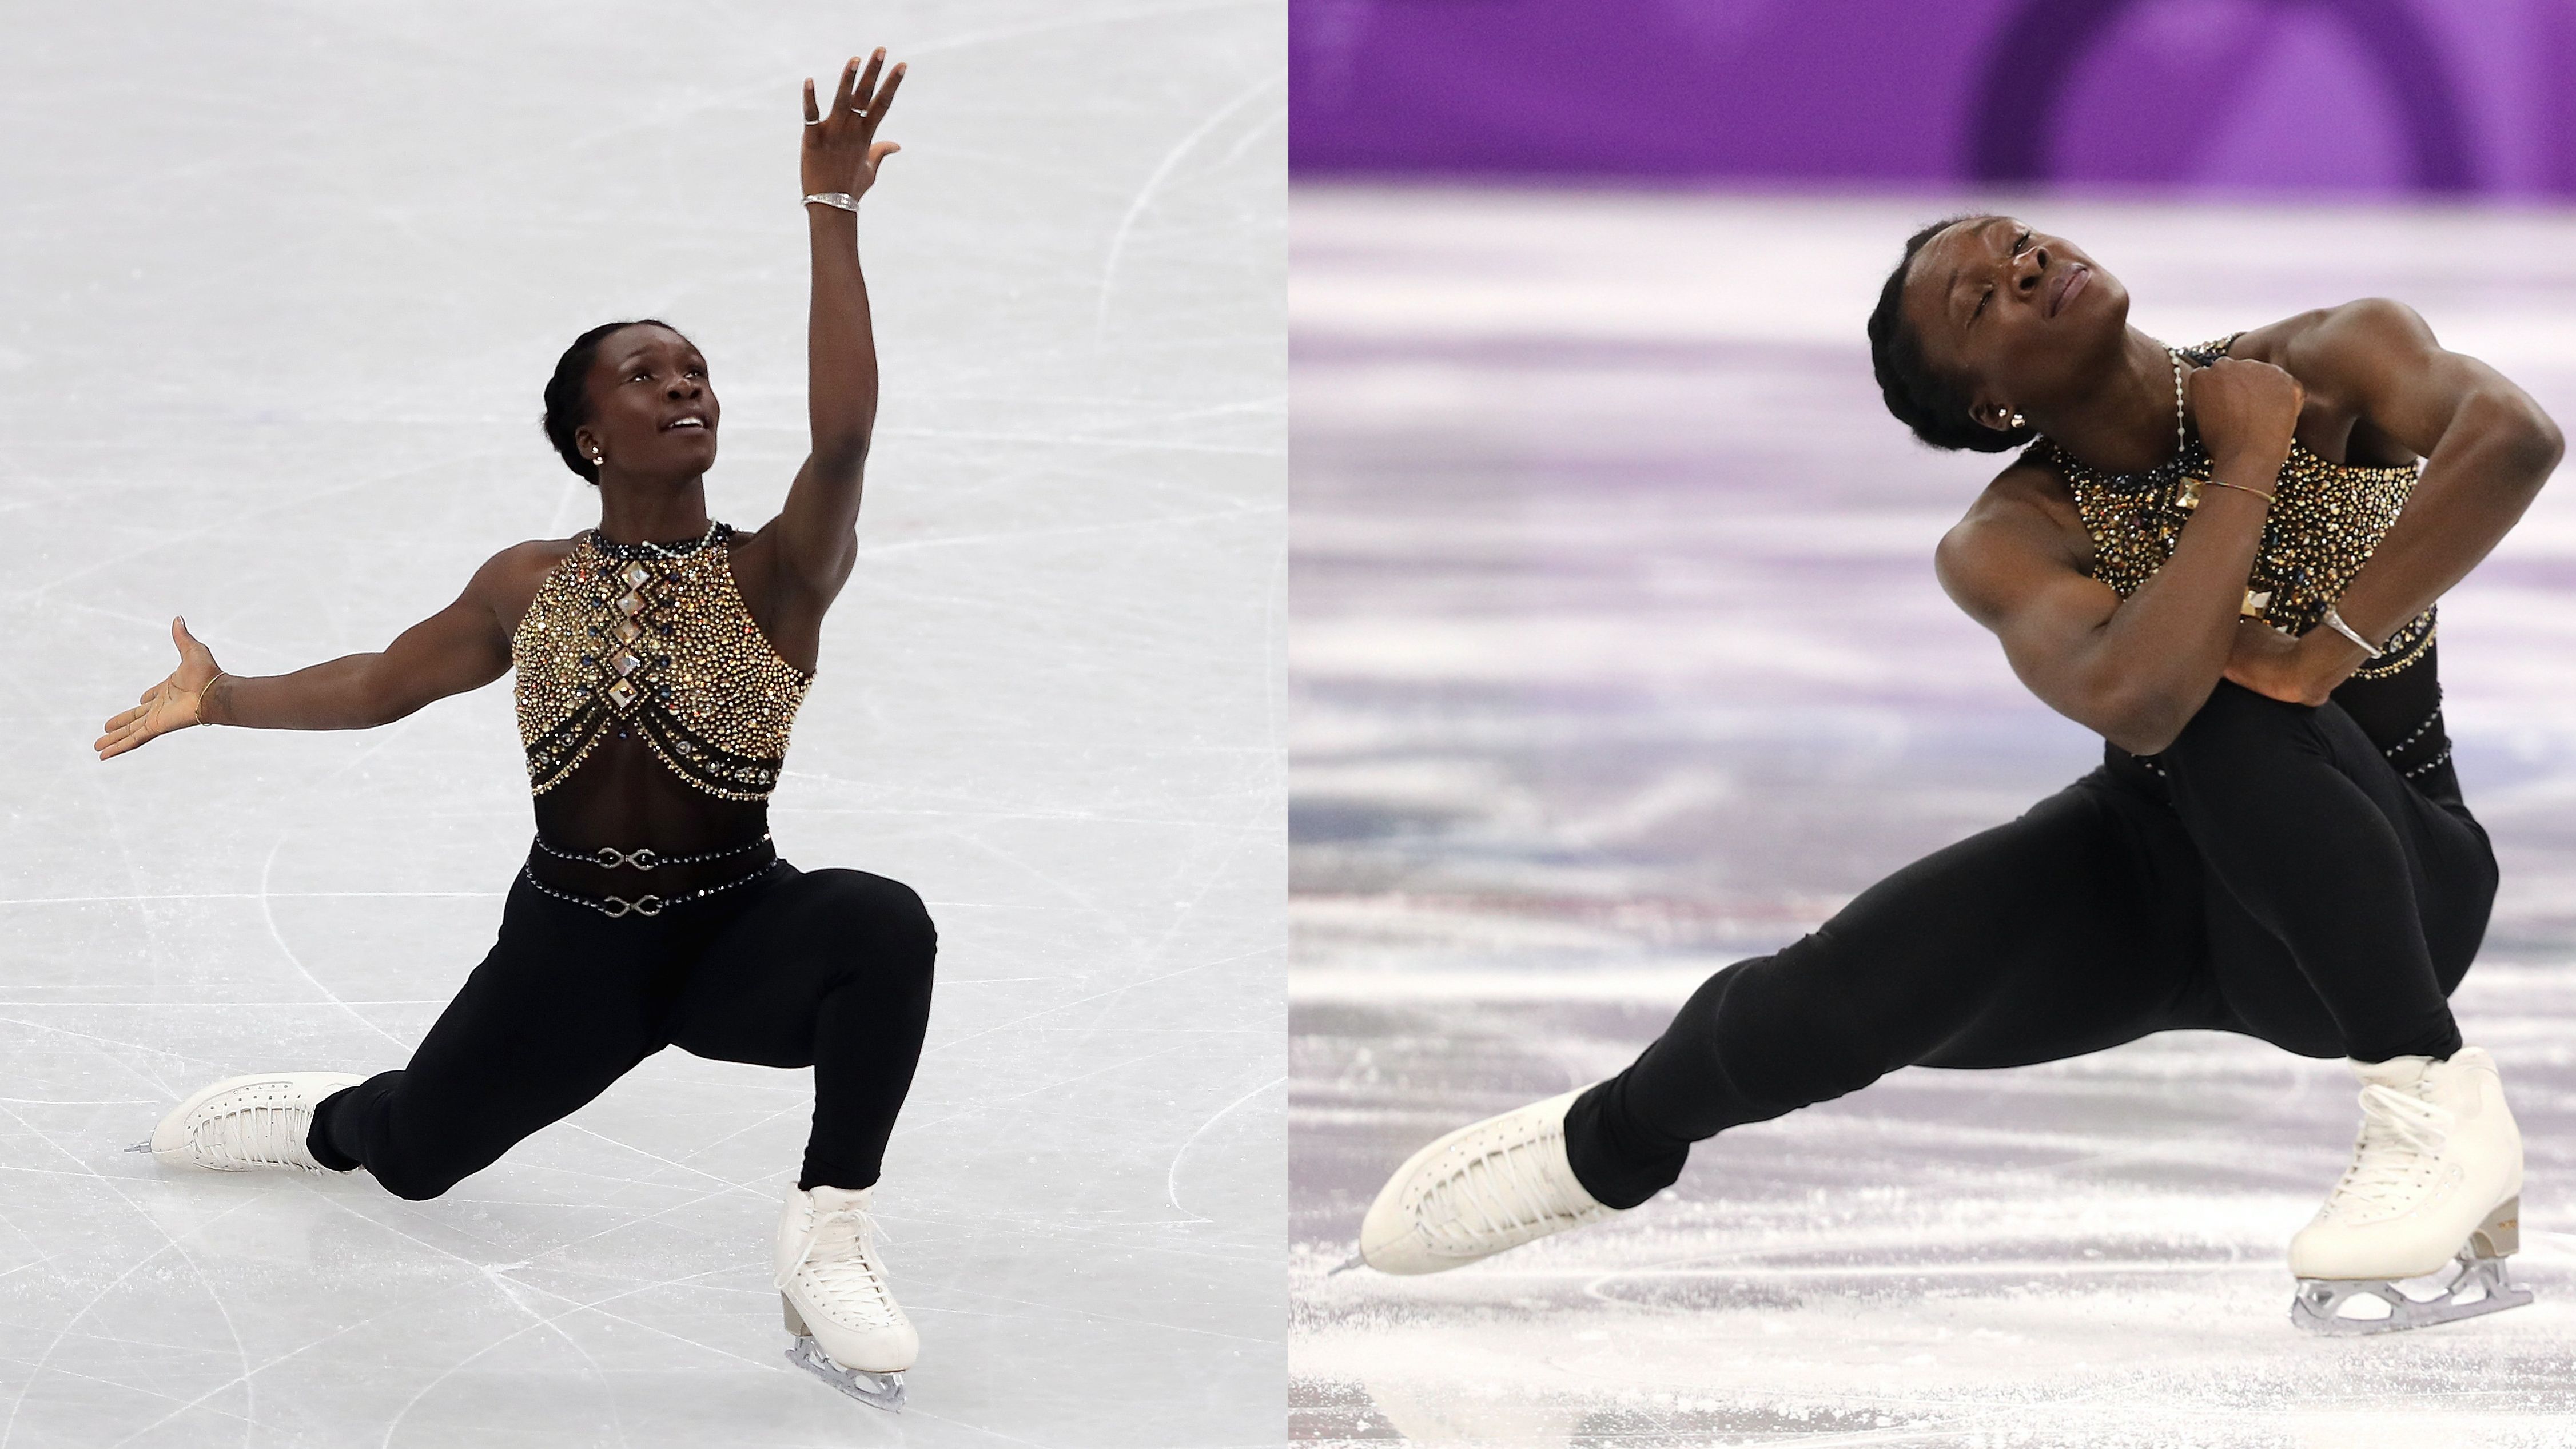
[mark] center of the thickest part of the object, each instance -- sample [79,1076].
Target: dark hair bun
[568,392]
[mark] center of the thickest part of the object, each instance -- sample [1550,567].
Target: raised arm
[2136,670]
[817,537]
[2487,447]
[461,647]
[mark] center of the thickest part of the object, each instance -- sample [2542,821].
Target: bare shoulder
[2022,526]
[2328,343]
[508,581]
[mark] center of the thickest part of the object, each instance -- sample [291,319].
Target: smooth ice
[279,288]
[1618,656]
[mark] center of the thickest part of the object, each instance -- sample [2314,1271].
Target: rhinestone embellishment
[2326,522]
[708,696]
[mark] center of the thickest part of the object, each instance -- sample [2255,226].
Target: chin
[696,449]
[2099,319]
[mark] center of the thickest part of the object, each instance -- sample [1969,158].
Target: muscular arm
[815,534]
[2487,446]
[461,647]
[2132,671]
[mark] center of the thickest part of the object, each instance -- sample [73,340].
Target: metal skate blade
[143,1146]
[2318,1307]
[1356,1261]
[883,1391]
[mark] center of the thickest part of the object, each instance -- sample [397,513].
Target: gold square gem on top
[635,574]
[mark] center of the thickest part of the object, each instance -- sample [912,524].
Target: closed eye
[2021,243]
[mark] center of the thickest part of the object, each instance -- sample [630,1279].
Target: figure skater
[2222,559]
[660,660]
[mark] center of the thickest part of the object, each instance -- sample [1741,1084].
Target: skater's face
[652,410]
[2017,316]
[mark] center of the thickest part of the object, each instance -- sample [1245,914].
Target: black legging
[2296,888]
[829,969]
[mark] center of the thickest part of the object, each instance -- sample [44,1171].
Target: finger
[882,150]
[841,96]
[885,97]
[862,96]
[122,720]
[811,115]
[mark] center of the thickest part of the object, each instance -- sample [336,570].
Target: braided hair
[568,392]
[1934,406]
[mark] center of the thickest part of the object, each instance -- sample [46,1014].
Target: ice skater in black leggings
[2224,559]
[659,659]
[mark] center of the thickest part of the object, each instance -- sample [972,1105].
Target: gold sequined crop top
[2323,526]
[653,638]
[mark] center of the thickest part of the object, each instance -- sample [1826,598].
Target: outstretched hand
[170,705]
[841,149]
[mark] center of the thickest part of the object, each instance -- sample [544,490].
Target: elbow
[2142,737]
[2145,721]
[2543,446]
[2525,439]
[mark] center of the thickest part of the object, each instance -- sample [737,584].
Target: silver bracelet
[841,199]
[2334,621]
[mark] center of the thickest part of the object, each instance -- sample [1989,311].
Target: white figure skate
[1496,1184]
[849,1330]
[2436,1177]
[242,1123]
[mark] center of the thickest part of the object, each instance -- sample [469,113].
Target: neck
[2123,422]
[634,511]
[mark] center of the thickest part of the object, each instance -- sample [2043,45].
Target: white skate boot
[1496,1184]
[2436,1175]
[244,1122]
[848,1328]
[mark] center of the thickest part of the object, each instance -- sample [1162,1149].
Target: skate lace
[847,1274]
[2402,1137]
[258,1135]
[1500,1192]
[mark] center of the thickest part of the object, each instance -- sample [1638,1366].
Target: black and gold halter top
[653,639]
[2325,523]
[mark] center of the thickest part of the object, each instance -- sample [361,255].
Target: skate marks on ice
[1046,701]
[2089,1252]
[1619,656]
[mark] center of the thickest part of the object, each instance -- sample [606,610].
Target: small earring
[599,457]
[2016,420]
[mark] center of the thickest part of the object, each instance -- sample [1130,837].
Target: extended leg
[557,1011]
[2068,930]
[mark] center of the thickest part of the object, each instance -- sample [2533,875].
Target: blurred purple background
[2334,96]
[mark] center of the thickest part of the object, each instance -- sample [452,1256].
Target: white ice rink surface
[280,284]
[1618,656]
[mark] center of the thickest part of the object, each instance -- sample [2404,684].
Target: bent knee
[2235,720]
[889,915]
